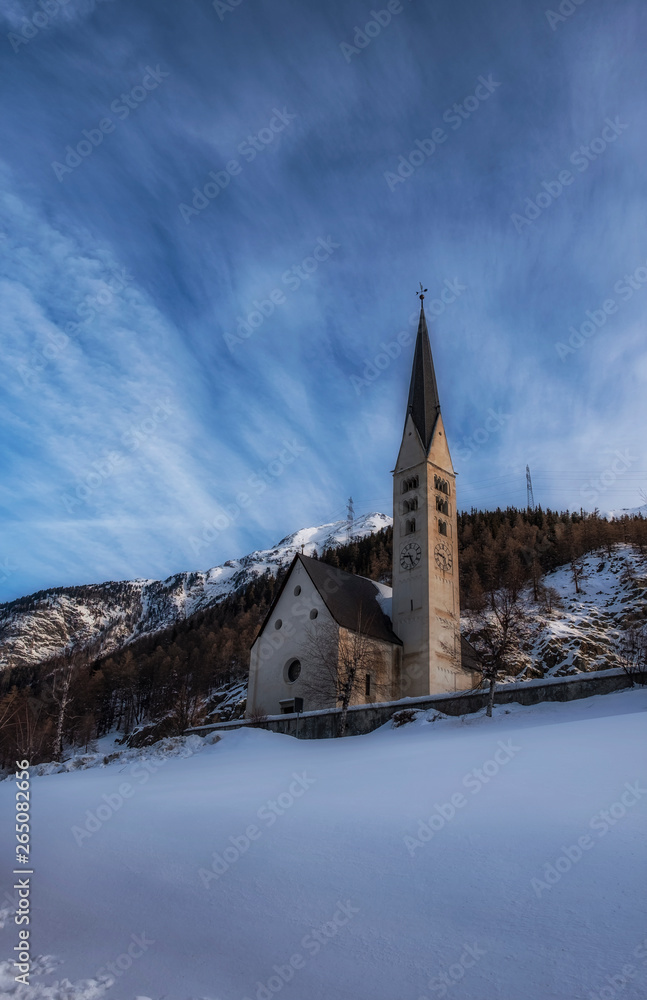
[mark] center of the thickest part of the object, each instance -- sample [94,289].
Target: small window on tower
[410,526]
[442,527]
[442,505]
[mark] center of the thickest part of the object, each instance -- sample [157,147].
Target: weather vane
[421,293]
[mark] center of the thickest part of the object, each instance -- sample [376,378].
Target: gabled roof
[424,403]
[351,599]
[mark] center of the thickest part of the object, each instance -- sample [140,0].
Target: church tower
[426,609]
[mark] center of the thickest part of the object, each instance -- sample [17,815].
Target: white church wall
[276,648]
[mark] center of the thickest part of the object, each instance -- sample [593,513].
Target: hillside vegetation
[190,671]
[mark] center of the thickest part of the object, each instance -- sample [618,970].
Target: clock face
[443,557]
[410,555]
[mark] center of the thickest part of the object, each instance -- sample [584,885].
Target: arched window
[409,505]
[442,527]
[442,485]
[442,505]
[410,526]
[410,484]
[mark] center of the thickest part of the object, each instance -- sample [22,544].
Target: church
[332,637]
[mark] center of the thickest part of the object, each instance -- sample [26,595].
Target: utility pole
[531,499]
[298,708]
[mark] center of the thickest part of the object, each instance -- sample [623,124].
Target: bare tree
[8,710]
[631,648]
[577,569]
[60,679]
[498,628]
[338,661]
[189,708]
[86,733]
[536,574]
[258,718]
[18,726]
[451,645]
[549,598]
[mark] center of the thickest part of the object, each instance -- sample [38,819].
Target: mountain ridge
[108,616]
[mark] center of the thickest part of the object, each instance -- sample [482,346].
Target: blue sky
[181,385]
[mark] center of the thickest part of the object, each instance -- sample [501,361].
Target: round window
[297,590]
[278,623]
[314,613]
[294,669]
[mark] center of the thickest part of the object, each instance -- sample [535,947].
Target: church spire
[424,404]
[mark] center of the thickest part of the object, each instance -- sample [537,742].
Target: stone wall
[366,718]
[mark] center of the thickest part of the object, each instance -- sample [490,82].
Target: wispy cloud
[114,307]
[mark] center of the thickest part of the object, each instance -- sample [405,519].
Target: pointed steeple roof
[424,404]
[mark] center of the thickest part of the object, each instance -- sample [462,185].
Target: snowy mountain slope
[36,627]
[620,512]
[581,631]
[474,858]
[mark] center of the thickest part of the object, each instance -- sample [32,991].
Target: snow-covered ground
[581,632]
[468,858]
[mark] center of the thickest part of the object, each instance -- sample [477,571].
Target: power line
[493,489]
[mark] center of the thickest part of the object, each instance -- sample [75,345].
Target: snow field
[325,893]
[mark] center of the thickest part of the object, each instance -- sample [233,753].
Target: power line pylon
[531,498]
[350,517]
